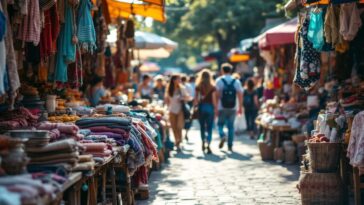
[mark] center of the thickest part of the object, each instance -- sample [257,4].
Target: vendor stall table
[276,131]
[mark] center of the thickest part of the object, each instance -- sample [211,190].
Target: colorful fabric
[308,65]
[86,31]
[30,27]
[66,48]
[356,144]
[316,30]
[350,21]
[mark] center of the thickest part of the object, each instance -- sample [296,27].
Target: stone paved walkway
[240,177]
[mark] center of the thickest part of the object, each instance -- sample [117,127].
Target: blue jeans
[206,119]
[227,117]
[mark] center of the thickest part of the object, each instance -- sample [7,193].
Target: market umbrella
[279,35]
[149,67]
[157,2]
[145,40]
[144,54]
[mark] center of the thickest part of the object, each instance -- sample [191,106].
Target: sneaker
[230,148]
[209,150]
[222,142]
[203,147]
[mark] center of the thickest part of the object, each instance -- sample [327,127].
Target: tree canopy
[207,25]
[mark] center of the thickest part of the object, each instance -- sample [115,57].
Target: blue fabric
[66,49]
[227,117]
[2,26]
[206,119]
[86,31]
[96,96]
[316,30]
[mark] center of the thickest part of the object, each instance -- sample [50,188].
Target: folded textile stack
[116,128]
[97,149]
[31,189]
[61,130]
[85,163]
[64,151]
[114,108]
[21,118]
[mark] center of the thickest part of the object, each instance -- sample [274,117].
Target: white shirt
[175,104]
[220,86]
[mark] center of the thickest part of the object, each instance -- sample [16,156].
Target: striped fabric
[46,4]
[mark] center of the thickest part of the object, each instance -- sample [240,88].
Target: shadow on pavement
[212,158]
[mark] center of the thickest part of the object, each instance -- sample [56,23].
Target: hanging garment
[50,32]
[66,48]
[43,72]
[10,53]
[61,10]
[350,21]
[30,27]
[356,144]
[331,29]
[2,26]
[308,64]
[86,30]
[2,66]
[109,69]
[46,4]
[315,30]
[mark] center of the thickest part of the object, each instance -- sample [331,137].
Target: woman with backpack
[205,100]
[175,97]
[251,106]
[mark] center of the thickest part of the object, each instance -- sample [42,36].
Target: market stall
[55,147]
[328,98]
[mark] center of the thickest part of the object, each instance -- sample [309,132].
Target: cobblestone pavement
[240,177]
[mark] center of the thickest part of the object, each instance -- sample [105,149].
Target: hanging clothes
[2,54]
[66,48]
[86,30]
[308,60]
[332,27]
[50,32]
[350,21]
[30,27]
[315,30]
[11,62]
[109,69]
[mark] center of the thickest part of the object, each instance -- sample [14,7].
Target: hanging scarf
[66,48]
[86,31]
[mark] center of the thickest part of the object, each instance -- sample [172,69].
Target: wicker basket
[324,157]
[266,151]
[321,189]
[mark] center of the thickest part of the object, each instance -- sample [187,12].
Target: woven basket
[324,157]
[321,189]
[266,151]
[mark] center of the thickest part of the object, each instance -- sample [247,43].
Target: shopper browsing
[228,90]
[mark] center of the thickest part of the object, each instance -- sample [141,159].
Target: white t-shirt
[175,104]
[220,86]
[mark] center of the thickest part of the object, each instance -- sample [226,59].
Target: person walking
[205,100]
[175,96]
[228,90]
[251,106]
[190,92]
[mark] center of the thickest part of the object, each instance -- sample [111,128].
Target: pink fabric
[106,129]
[95,147]
[62,127]
[356,144]
[30,28]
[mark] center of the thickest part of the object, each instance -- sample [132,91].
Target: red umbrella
[280,35]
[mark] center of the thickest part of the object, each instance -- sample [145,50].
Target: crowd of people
[208,97]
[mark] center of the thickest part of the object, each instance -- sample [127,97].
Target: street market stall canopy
[143,54]
[145,40]
[125,8]
[279,35]
[149,67]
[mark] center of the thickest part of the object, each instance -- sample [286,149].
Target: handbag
[196,110]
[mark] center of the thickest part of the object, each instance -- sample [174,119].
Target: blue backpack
[228,98]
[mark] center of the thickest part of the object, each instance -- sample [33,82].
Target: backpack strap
[224,81]
[232,83]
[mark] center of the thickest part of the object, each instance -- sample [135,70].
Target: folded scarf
[84,132]
[62,127]
[71,161]
[86,166]
[95,147]
[55,157]
[85,158]
[112,120]
[69,145]
[106,129]
[85,29]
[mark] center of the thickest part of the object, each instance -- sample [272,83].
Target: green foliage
[208,25]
